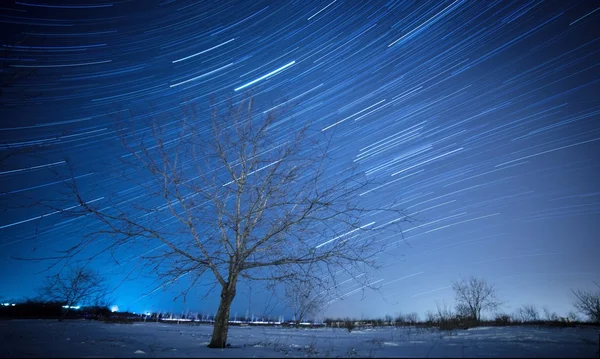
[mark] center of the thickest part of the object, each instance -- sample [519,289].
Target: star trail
[480,118]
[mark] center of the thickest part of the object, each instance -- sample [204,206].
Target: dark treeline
[448,322]
[443,318]
[472,297]
[43,309]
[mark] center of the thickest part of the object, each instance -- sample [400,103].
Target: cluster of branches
[587,302]
[76,286]
[474,295]
[239,200]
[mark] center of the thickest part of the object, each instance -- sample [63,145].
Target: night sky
[481,117]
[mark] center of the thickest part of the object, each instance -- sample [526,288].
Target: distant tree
[444,312]
[572,316]
[430,317]
[463,311]
[549,315]
[528,313]
[411,318]
[502,319]
[388,320]
[304,301]
[587,302]
[248,201]
[474,295]
[399,320]
[349,324]
[77,286]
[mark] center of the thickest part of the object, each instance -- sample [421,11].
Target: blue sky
[481,115]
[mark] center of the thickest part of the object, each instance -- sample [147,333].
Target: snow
[91,339]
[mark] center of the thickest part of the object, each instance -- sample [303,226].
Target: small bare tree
[572,316]
[474,295]
[549,315]
[587,302]
[411,318]
[430,317]
[502,318]
[528,313]
[302,298]
[241,198]
[444,312]
[76,286]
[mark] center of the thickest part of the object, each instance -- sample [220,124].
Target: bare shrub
[587,303]
[474,295]
[528,313]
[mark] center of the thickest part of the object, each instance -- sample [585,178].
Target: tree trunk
[221,326]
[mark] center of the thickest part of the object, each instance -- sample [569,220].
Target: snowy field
[89,339]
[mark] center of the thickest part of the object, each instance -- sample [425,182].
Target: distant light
[13,304]
[114,308]
[6,304]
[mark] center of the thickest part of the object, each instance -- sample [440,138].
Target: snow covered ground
[89,339]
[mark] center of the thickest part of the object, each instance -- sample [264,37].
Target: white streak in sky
[203,51]
[46,215]
[584,16]
[359,112]
[548,151]
[260,169]
[64,65]
[345,234]
[32,168]
[427,161]
[399,279]
[385,184]
[65,6]
[431,291]
[203,75]
[425,23]
[519,256]
[292,99]
[353,291]
[318,12]
[265,76]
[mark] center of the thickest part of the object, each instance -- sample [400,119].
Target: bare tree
[587,302]
[242,199]
[549,315]
[77,286]
[463,311]
[304,301]
[411,318]
[474,295]
[444,312]
[502,318]
[528,313]
[572,317]
[430,317]
[399,320]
